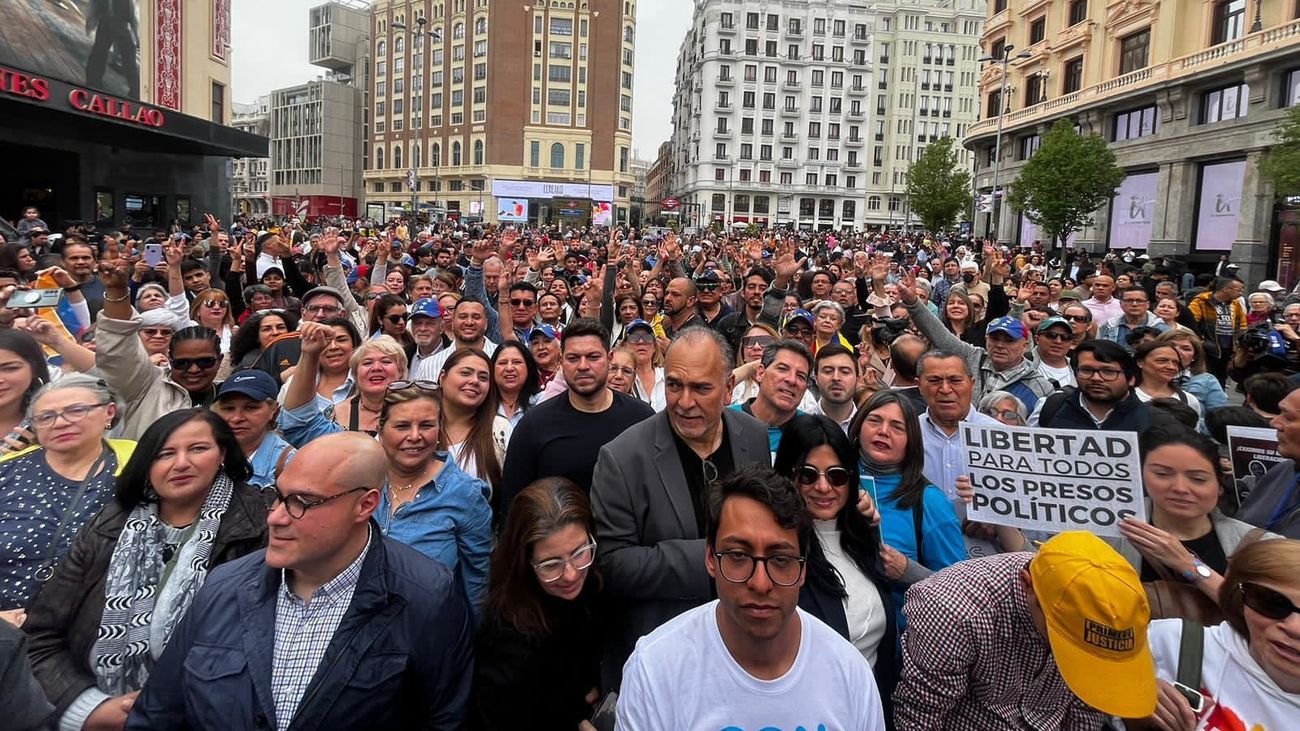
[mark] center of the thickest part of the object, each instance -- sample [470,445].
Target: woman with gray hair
[48,491]
[828,318]
[1005,407]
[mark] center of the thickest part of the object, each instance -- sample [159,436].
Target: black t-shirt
[699,478]
[553,439]
[1207,548]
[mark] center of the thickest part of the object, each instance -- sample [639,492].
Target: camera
[886,329]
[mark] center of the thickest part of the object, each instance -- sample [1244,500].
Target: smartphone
[868,483]
[605,716]
[17,434]
[153,254]
[1194,697]
[29,298]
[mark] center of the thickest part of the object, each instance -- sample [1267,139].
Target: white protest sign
[1054,479]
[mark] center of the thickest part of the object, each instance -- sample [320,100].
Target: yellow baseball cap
[1097,616]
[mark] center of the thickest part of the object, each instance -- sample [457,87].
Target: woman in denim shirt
[247,404]
[429,503]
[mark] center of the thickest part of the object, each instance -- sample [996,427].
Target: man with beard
[837,381]
[79,261]
[1104,399]
[680,309]
[755,305]
[469,324]
[562,436]
[782,381]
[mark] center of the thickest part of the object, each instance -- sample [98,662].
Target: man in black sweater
[562,437]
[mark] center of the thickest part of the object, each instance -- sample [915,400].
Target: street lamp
[417,36]
[1003,103]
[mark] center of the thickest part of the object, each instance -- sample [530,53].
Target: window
[1291,88]
[995,104]
[998,6]
[1135,123]
[873,203]
[1029,145]
[579,156]
[561,26]
[455,153]
[1038,30]
[727,21]
[751,21]
[1229,21]
[1073,75]
[561,50]
[397,157]
[1223,104]
[435,154]
[535,153]
[1034,89]
[1078,11]
[379,158]
[1133,51]
[998,50]
[558,97]
[218,103]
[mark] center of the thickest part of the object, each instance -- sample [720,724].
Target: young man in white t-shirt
[1054,337]
[751,659]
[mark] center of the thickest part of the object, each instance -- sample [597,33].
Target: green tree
[1066,181]
[1281,166]
[939,190]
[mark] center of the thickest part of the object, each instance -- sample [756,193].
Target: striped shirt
[303,631]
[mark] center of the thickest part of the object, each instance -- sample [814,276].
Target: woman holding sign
[918,524]
[1187,539]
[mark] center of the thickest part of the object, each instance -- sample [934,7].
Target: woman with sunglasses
[372,366]
[99,624]
[1187,538]
[428,502]
[919,527]
[639,337]
[1249,674]
[517,380]
[537,654]
[211,309]
[1080,319]
[846,586]
[389,317]
[756,338]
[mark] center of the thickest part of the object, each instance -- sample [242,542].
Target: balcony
[853,165]
[726,81]
[794,31]
[855,141]
[856,115]
[728,29]
[721,134]
[723,106]
[788,162]
[858,90]
[791,85]
[860,38]
[789,111]
[789,137]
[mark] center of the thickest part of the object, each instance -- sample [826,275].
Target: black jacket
[1063,411]
[64,618]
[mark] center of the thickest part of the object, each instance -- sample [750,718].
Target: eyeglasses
[216,304]
[156,332]
[640,337]
[522,303]
[423,385]
[553,570]
[1105,374]
[295,505]
[807,475]
[797,332]
[624,370]
[1005,416]
[322,309]
[757,341]
[738,567]
[1082,319]
[185,364]
[1134,301]
[396,319]
[71,414]
[707,287]
[1058,337]
[1267,602]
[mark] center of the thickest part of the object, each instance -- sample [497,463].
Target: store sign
[540,189]
[20,84]
[1132,211]
[17,83]
[1219,206]
[670,203]
[512,210]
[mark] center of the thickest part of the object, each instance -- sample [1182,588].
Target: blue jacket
[401,657]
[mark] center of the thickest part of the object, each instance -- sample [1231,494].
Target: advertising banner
[1029,233]
[1132,211]
[602,214]
[542,189]
[512,210]
[1219,206]
[1054,480]
[92,43]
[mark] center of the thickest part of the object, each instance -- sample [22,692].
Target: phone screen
[152,254]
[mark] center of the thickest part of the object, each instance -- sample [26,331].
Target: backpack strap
[1191,650]
[1052,407]
[918,515]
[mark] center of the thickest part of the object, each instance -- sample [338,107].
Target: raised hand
[60,276]
[213,225]
[173,253]
[906,286]
[315,337]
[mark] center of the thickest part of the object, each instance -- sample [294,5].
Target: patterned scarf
[123,654]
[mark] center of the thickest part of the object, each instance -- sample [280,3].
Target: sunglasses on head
[423,385]
[185,364]
[1267,602]
[807,475]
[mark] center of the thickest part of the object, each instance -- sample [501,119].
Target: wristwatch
[1199,572]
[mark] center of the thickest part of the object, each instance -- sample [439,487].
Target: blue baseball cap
[425,307]
[255,384]
[1008,326]
[638,323]
[546,330]
[408,260]
[801,314]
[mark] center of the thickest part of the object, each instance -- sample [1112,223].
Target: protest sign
[1253,452]
[1054,479]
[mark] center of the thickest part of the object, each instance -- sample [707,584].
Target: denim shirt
[450,521]
[265,459]
[305,423]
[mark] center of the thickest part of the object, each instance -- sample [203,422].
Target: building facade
[318,131]
[926,71]
[770,113]
[250,177]
[488,111]
[658,181]
[1188,97]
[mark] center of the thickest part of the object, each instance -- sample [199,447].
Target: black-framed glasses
[186,364]
[1081,319]
[1105,374]
[422,384]
[396,319]
[1267,602]
[522,303]
[71,414]
[807,475]
[710,287]
[581,559]
[738,567]
[295,505]
[1058,337]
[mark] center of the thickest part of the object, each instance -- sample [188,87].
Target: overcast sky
[270,51]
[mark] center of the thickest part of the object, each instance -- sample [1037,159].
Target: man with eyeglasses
[709,295]
[1053,339]
[752,658]
[523,309]
[318,305]
[648,488]
[331,625]
[1136,313]
[1103,400]
[562,436]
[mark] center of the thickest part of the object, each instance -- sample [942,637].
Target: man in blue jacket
[333,626]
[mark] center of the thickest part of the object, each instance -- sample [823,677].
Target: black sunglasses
[185,364]
[807,475]
[396,319]
[1267,602]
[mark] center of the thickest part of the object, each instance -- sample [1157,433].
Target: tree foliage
[939,190]
[1066,181]
[1281,166]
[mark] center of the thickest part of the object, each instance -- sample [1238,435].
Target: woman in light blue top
[246,402]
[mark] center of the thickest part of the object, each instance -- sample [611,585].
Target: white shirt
[817,410]
[863,607]
[1063,376]
[1240,694]
[681,676]
[430,369]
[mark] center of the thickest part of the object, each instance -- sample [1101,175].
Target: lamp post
[1003,103]
[417,37]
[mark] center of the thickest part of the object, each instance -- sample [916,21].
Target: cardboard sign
[1253,452]
[1054,480]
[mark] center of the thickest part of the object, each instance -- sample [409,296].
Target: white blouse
[863,607]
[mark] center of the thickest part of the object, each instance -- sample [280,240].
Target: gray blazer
[1231,533]
[651,554]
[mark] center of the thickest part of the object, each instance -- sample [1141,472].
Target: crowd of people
[348,474]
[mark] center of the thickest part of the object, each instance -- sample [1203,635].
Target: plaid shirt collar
[344,583]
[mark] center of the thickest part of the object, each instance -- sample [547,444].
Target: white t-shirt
[1064,377]
[1243,696]
[682,677]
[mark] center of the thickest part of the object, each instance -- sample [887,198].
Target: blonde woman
[373,365]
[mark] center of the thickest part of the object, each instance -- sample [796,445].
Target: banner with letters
[1253,452]
[1054,480]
